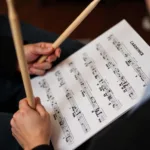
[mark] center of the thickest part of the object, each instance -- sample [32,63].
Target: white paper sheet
[94,86]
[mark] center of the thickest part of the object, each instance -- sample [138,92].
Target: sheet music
[94,86]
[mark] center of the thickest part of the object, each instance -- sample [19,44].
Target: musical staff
[124,84]
[100,114]
[101,83]
[76,112]
[57,113]
[130,61]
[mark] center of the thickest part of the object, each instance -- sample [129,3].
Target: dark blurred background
[56,15]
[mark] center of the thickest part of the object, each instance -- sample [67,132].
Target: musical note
[101,116]
[43,84]
[102,84]
[57,113]
[130,61]
[76,112]
[124,84]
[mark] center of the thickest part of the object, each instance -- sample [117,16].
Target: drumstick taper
[72,27]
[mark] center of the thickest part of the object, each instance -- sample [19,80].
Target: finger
[17,136]
[39,72]
[51,58]
[41,110]
[42,66]
[14,131]
[23,103]
[13,123]
[17,116]
[44,45]
[43,48]
[58,52]
[16,122]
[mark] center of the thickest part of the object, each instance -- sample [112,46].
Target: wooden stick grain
[18,42]
[72,27]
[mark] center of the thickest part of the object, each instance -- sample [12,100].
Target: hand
[34,51]
[31,128]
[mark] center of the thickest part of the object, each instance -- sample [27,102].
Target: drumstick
[18,42]
[72,27]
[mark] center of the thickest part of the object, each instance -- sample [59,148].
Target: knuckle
[40,43]
[20,102]
[15,115]
[23,112]
[12,122]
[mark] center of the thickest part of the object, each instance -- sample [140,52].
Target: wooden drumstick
[18,42]
[72,27]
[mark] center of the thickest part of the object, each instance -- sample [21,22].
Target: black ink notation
[77,113]
[57,113]
[101,83]
[100,114]
[124,84]
[130,61]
